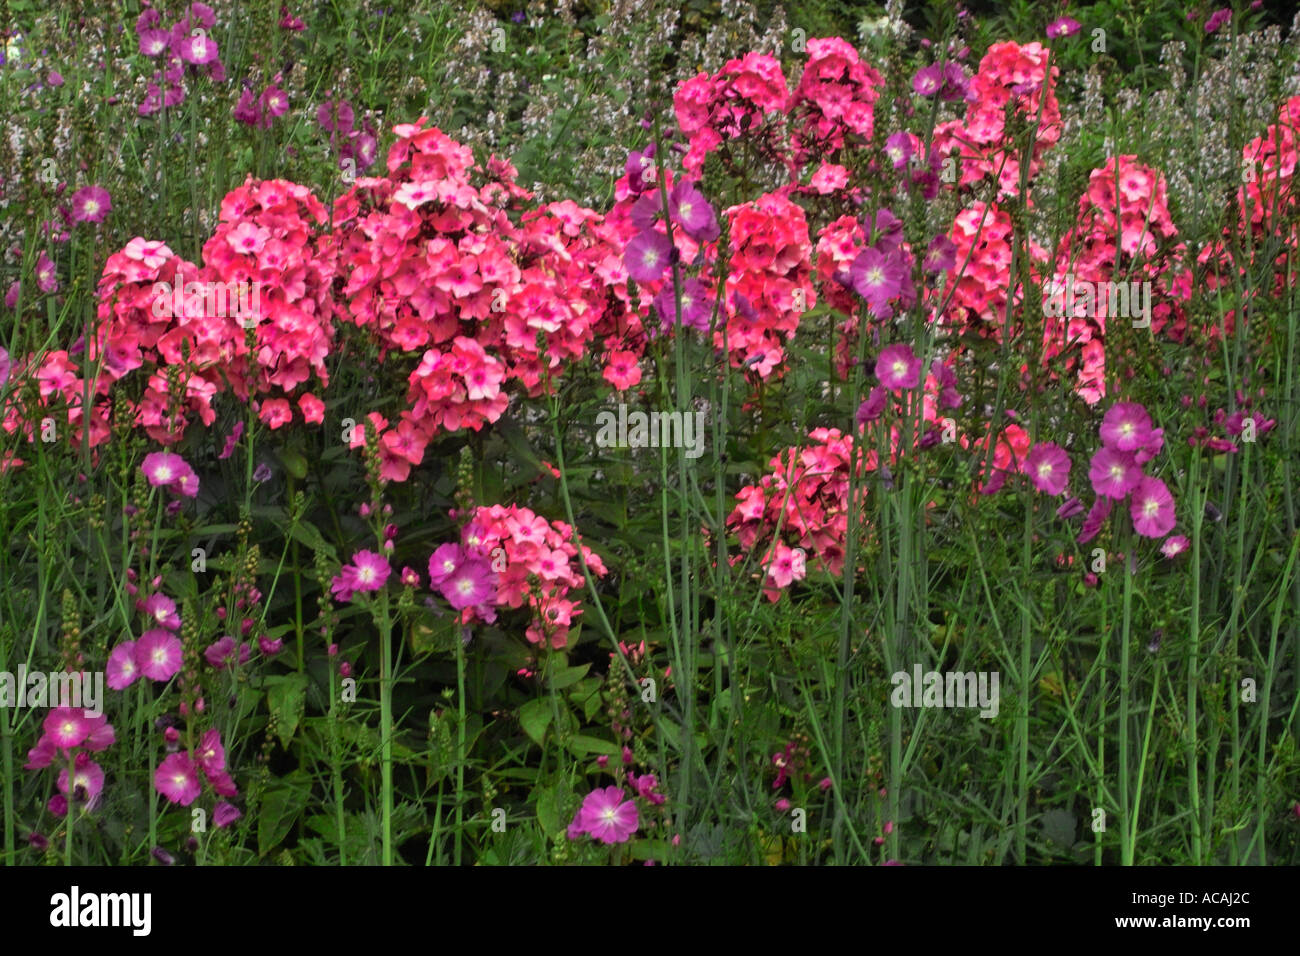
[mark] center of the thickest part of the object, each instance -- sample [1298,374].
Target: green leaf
[583,746]
[568,676]
[285,696]
[535,716]
[309,534]
[550,807]
[279,809]
[294,463]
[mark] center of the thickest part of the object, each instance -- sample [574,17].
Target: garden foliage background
[365,581]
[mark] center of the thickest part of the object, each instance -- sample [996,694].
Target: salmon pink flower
[622,370]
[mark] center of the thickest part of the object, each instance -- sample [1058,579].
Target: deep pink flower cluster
[71,733]
[735,101]
[769,284]
[1008,74]
[836,96]
[506,546]
[1100,247]
[805,495]
[433,265]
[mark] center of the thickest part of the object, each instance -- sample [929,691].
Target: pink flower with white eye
[158,654]
[162,610]
[121,670]
[65,728]
[415,195]
[177,779]
[153,255]
[247,238]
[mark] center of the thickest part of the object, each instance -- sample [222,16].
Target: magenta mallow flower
[5,366]
[444,562]
[695,305]
[1064,27]
[940,255]
[163,469]
[1097,516]
[1048,467]
[877,277]
[1126,427]
[224,814]
[367,572]
[1174,546]
[158,654]
[122,671]
[177,779]
[1152,508]
[86,783]
[692,212]
[928,80]
[91,204]
[66,727]
[605,816]
[162,610]
[647,256]
[469,585]
[898,367]
[1113,473]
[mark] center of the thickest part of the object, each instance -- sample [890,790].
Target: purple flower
[1048,467]
[262,472]
[5,366]
[224,814]
[231,441]
[899,149]
[1125,427]
[274,104]
[1113,473]
[469,585]
[872,406]
[605,816]
[1069,508]
[695,305]
[162,610]
[1064,27]
[1152,508]
[1174,545]
[877,277]
[1217,19]
[197,48]
[946,379]
[246,111]
[928,80]
[158,654]
[692,212]
[91,204]
[45,278]
[163,469]
[153,42]
[444,562]
[647,256]
[940,256]
[898,367]
[1097,516]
